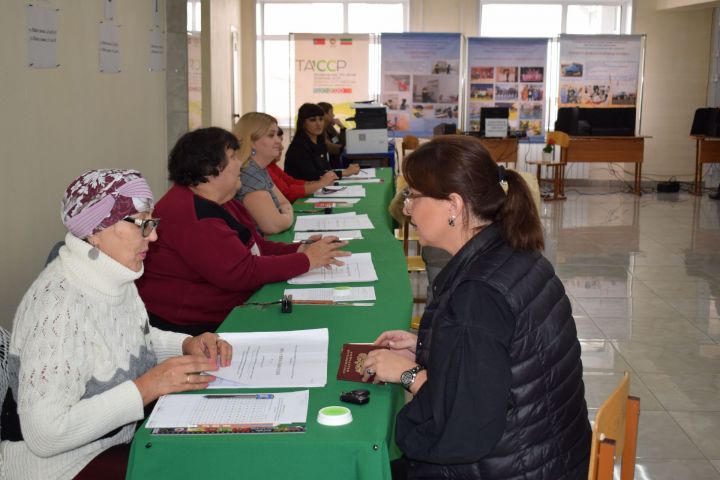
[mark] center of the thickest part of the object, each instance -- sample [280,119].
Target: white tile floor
[643,275]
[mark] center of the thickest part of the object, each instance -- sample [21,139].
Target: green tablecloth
[359,450]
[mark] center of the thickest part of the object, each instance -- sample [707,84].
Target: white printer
[370,134]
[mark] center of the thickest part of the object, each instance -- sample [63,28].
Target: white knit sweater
[80,334]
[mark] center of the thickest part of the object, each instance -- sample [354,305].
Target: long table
[360,450]
[707,150]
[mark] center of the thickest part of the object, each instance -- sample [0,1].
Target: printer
[370,132]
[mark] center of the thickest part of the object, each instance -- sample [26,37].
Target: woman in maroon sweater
[209,257]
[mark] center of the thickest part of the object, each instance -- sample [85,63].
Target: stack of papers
[322,200]
[364,173]
[358,180]
[295,358]
[191,411]
[332,222]
[351,191]
[340,294]
[341,234]
[357,268]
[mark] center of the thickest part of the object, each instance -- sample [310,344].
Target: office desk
[360,450]
[502,150]
[608,150]
[707,150]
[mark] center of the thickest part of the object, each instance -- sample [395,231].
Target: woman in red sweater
[291,187]
[209,256]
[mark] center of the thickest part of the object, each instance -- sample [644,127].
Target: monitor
[493,113]
[597,122]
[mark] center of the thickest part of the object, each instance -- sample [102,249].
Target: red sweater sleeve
[291,187]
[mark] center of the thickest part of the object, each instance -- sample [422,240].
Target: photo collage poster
[512,73]
[599,71]
[420,80]
[331,68]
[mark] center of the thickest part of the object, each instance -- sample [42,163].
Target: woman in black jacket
[495,368]
[307,156]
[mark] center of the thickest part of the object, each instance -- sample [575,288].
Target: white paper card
[109,47]
[42,36]
[356,191]
[333,222]
[186,410]
[359,180]
[353,294]
[364,173]
[341,234]
[357,268]
[277,359]
[157,50]
[351,201]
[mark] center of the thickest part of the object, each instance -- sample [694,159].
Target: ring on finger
[370,371]
[187,379]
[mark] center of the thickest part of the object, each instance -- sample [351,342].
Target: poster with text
[331,68]
[420,80]
[510,73]
[599,71]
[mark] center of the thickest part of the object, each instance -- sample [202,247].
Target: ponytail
[518,218]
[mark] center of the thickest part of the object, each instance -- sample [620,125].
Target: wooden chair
[410,142]
[562,140]
[415,263]
[615,434]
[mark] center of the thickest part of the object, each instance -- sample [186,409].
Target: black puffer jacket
[501,349]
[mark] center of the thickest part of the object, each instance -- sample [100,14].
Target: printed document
[357,268]
[351,191]
[340,294]
[295,358]
[187,410]
[333,222]
[351,181]
[351,201]
[341,234]
[364,173]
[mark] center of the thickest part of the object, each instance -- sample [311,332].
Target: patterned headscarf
[100,198]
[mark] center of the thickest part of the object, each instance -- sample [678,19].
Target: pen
[256,396]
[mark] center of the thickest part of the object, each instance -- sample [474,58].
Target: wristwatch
[407,378]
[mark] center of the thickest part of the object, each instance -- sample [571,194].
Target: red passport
[352,361]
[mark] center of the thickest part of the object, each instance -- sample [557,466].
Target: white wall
[57,123]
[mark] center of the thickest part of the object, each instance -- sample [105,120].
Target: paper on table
[341,234]
[332,222]
[295,358]
[358,180]
[187,410]
[364,173]
[320,200]
[353,294]
[341,192]
[358,268]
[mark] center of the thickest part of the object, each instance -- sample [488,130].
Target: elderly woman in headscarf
[88,361]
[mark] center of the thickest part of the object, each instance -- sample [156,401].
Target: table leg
[561,187]
[556,181]
[697,189]
[638,174]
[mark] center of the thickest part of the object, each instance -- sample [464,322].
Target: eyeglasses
[146,226]
[408,197]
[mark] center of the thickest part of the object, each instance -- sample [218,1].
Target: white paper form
[332,222]
[351,201]
[348,191]
[364,173]
[346,294]
[296,358]
[185,410]
[358,267]
[351,180]
[341,234]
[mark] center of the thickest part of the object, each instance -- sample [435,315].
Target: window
[277,19]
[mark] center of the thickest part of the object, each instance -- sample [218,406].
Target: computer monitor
[598,122]
[492,113]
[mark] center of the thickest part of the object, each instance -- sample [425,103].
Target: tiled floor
[643,275]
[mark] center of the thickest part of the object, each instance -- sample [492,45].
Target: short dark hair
[460,164]
[326,107]
[200,154]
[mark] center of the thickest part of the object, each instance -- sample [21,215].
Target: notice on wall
[109,47]
[420,80]
[331,68]
[42,36]
[157,50]
[510,73]
[599,70]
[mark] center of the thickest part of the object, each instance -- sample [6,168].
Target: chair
[410,142]
[562,140]
[615,434]
[415,263]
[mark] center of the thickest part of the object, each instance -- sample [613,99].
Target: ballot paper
[341,234]
[323,200]
[188,410]
[332,222]
[343,191]
[357,268]
[351,180]
[277,359]
[364,173]
[339,294]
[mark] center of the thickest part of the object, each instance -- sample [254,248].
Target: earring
[451,221]
[252,152]
[93,253]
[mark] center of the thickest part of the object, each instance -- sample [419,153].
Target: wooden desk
[502,150]
[557,180]
[707,150]
[608,150]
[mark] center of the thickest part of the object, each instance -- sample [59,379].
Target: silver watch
[407,378]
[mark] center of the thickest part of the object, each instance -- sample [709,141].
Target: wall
[676,80]
[58,123]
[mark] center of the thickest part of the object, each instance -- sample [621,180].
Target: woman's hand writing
[177,374]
